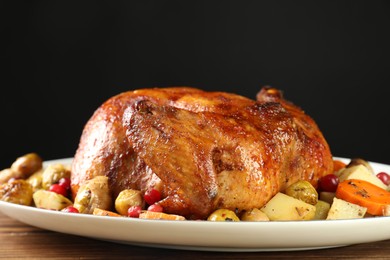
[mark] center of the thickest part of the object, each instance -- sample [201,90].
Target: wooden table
[18,240]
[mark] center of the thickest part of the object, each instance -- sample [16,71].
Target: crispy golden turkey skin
[201,150]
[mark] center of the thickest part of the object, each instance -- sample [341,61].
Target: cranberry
[70,209]
[152,196]
[384,177]
[155,208]
[329,183]
[65,182]
[58,189]
[134,211]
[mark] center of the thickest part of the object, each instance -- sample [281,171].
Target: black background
[62,59]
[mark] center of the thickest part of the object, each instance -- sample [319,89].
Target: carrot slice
[102,212]
[365,194]
[146,214]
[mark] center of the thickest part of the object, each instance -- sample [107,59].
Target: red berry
[384,177]
[65,182]
[329,183]
[152,196]
[134,211]
[155,208]
[70,209]
[58,189]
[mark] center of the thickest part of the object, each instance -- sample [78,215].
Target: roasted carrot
[102,212]
[364,194]
[145,214]
[338,165]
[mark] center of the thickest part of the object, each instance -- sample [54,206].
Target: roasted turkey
[201,150]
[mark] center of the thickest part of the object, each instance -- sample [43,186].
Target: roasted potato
[93,194]
[36,180]
[53,173]
[284,207]
[359,161]
[27,165]
[50,200]
[360,172]
[303,190]
[254,215]
[342,209]
[126,199]
[386,211]
[8,174]
[16,191]
[223,215]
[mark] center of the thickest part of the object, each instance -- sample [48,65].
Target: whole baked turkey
[201,150]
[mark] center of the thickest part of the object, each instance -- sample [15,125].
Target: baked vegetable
[254,215]
[27,164]
[50,200]
[303,190]
[365,194]
[16,191]
[53,173]
[360,172]
[36,180]
[342,209]
[146,214]
[126,199]
[223,215]
[103,212]
[284,207]
[93,194]
[322,210]
[360,161]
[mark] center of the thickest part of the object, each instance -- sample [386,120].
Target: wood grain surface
[20,241]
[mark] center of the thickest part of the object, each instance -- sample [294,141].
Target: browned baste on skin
[201,150]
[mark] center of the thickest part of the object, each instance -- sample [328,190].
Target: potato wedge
[386,211]
[36,180]
[361,172]
[50,200]
[254,215]
[17,191]
[342,209]
[284,207]
[360,161]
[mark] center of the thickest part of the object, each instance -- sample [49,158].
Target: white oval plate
[207,235]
